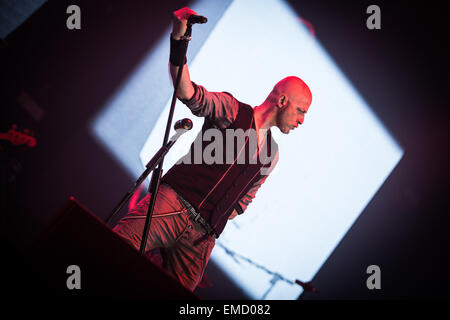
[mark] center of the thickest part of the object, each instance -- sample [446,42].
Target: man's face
[292,114]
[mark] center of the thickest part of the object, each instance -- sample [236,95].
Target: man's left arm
[244,202]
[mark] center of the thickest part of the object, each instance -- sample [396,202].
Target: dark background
[400,70]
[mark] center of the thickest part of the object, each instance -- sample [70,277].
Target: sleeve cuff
[194,96]
[238,208]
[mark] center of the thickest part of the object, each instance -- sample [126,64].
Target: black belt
[197,217]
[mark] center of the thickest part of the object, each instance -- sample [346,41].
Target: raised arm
[180,18]
[219,107]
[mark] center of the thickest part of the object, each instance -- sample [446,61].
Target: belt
[197,217]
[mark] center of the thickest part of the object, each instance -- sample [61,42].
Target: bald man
[198,196]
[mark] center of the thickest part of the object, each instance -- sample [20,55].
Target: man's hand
[233,215]
[180,18]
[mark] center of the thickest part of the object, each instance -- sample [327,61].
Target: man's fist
[180,18]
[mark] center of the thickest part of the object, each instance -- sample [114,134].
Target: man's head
[292,97]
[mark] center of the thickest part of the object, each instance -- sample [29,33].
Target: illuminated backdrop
[329,168]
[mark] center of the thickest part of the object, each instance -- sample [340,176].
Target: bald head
[293,88]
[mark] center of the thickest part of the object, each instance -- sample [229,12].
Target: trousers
[173,230]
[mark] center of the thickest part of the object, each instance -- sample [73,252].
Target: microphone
[197,19]
[181,126]
[185,124]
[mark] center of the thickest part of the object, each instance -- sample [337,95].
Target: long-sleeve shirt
[222,108]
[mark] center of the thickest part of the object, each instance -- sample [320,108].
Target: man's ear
[282,101]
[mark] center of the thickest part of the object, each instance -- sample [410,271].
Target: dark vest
[214,189]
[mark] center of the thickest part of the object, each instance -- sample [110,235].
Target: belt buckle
[197,217]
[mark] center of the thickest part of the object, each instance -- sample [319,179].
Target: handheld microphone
[196,19]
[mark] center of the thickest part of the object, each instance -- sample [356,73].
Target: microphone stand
[158,159]
[156,177]
[151,165]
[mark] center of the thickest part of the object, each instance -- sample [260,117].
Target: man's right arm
[221,108]
[179,26]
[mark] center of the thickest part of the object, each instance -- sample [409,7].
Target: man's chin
[283,129]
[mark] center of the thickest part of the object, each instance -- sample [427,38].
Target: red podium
[109,266]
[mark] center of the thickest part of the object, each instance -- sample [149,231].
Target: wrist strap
[177,51]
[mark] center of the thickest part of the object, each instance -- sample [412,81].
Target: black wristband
[177,52]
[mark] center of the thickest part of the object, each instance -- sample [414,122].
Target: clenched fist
[180,18]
